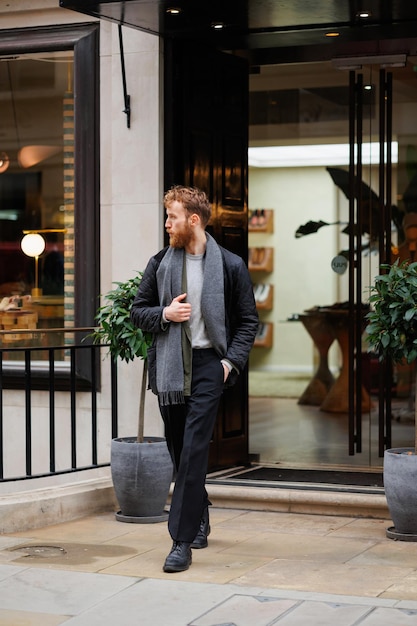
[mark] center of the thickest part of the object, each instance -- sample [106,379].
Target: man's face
[177,226]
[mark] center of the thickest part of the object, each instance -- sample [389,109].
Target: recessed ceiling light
[363,14]
[217,25]
[174,10]
[314,155]
[332,34]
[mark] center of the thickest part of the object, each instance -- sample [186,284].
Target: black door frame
[358,213]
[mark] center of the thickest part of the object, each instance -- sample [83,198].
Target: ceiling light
[174,10]
[393,64]
[363,14]
[383,60]
[217,25]
[28,156]
[4,162]
[332,34]
[314,155]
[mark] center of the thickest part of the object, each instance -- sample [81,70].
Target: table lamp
[33,245]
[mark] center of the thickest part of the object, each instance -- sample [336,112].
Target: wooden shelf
[261,220]
[264,337]
[264,296]
[261,259]
[17,320]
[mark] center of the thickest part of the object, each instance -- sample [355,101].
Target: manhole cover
[43,552]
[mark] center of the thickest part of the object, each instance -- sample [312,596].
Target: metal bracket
[125,94]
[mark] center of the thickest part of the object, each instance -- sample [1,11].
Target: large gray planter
[400,483]
[142,474]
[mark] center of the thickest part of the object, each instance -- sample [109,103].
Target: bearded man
[197,299]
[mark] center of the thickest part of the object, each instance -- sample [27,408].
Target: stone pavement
[260,569]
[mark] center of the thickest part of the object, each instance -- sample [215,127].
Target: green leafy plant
[124,339]
[392,328]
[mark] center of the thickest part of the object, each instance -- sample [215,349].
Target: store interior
[298,154]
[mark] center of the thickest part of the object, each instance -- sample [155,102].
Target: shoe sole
[173,570]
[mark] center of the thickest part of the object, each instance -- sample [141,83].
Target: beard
[181,238]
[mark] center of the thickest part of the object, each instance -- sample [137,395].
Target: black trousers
[188,431]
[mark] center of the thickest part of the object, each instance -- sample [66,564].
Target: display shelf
[264,336]
[17,320]
[261,220]
[261,259]
[264,296]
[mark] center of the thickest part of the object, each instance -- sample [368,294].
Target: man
[197,299]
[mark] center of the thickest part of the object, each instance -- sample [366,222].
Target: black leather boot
[179,559]
[200,540]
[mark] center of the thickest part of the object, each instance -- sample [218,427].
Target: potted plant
[392,334]
[141,467]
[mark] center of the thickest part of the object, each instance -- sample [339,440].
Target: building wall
[131,213]
[296,196]
[302,275]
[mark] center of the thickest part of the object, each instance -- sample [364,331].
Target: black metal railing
[70,394]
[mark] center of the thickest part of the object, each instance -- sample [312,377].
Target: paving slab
[62,593]
[23,618]
[261,568]
[390,617]
[246,611]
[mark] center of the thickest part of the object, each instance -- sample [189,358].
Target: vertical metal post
[388,211]
[355,378]
[52,458]
[352,135]
[73,410]
[355,262]
[93,407]
[28,414]
[114,399]
[1,417]
[382,369]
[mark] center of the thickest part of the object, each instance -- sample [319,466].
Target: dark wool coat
[240,308]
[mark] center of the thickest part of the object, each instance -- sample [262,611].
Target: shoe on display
[253,220]
[257,290]
[263,293]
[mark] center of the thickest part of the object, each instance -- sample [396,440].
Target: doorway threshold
[300,479]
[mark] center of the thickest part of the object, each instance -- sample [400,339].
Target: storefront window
[36,218]
[48,187]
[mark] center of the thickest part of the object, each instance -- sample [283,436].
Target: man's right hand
[178,310]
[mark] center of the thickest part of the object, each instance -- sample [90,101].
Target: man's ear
[194,219]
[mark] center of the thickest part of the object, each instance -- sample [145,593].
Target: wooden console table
[324,325]
[319,329]
[337,400]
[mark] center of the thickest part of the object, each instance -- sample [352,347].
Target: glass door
[391,215]
[331,155]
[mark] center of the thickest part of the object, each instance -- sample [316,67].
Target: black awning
[135,13]
[195,21]
[259,25]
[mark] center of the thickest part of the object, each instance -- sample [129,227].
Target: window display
[33,207]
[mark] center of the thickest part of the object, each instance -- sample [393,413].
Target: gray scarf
[173,347]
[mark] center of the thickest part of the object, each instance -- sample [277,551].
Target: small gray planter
[142,475]
[400,483]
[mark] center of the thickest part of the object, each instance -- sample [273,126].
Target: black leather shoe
[179,559]
[200,540]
